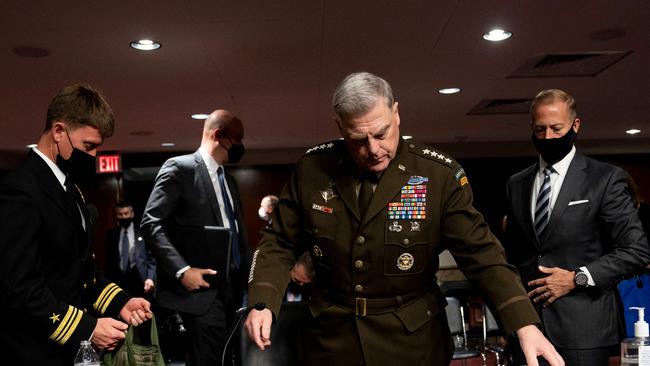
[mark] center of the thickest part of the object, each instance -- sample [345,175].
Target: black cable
[232,333]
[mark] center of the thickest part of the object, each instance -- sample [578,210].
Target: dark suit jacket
[144,261]
[602,233]
[48,284]
[183,196]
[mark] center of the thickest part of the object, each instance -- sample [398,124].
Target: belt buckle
[360,306]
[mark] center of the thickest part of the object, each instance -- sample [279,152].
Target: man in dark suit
[374,211]
[51,296]
[128,261]
[572,232]
[193,193]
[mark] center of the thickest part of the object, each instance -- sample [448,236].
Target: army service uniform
[375,300]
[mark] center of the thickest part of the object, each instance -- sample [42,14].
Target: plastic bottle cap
[640,326]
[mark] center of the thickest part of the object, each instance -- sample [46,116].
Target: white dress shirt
[557,179]
[60,176]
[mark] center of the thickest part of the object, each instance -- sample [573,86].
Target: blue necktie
[230,213]
[124,255]
[543,205]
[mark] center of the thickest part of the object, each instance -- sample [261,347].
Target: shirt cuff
[184,269]
[590,280]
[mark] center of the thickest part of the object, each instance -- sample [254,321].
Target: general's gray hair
[357,94]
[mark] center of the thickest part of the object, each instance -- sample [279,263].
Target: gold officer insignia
[55,318]
[317,251]
[405,261]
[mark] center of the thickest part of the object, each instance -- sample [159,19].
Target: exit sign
[109,163]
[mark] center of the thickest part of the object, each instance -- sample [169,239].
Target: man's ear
[337,120]
[576,124]
[396,112]
[57,130]
[217,133]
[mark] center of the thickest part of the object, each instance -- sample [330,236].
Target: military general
[374,211]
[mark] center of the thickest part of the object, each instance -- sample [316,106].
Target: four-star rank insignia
[55,318]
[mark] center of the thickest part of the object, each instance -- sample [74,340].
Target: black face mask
[553,150]
[80,166]
[236,152]
[125,222]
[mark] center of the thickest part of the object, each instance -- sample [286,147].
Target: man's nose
[373,145]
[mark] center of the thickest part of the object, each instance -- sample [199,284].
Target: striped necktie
[543,205]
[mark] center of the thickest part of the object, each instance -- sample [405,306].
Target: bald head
[221,127]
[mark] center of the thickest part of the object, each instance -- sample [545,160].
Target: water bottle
[86,356]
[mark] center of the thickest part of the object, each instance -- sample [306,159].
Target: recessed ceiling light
[633,131]
[496,35]
[30,146]
[168,144]
[200,116]
[449,90]
[407,137]
[145,45]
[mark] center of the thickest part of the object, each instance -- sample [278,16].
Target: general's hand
[550,288]
[193,278]
[108,333]
[136,311]
[148,285]
[533,344]
[258,327]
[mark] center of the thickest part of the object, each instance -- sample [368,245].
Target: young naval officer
[51,296]
[374,211]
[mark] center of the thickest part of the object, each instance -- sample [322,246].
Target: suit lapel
[205,185]
[526,197]
[51,185]
[573,182]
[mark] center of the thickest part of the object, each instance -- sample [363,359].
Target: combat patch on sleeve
[431,154]
[461,177]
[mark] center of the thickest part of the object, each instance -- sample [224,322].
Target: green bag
[133,352]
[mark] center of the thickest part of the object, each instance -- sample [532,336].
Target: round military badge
[405,261]
[317,252]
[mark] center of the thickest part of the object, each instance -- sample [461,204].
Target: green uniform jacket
[375,295]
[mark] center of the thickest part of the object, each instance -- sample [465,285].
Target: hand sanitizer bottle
[86,356]
[636,351]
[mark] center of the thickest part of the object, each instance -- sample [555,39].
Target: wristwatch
[580,278]
[259,306]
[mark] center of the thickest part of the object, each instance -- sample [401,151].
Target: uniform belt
[362,306]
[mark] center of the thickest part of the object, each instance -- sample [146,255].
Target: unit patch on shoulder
[461,177]
[431,154]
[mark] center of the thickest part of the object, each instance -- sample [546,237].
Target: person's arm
[272,262]
[22,285]
[166,194]
[481,257]
[620,219]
